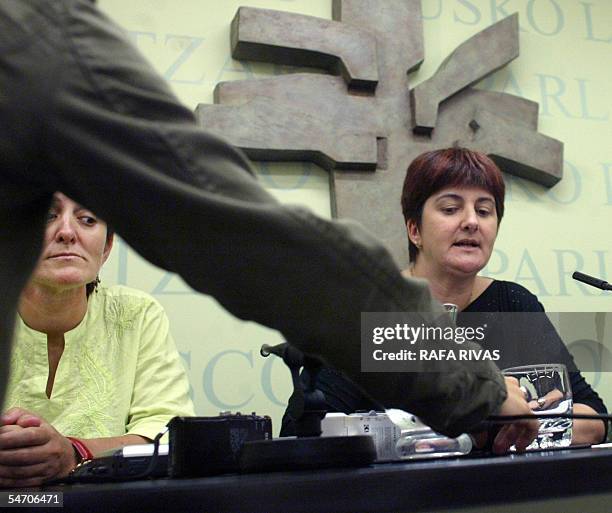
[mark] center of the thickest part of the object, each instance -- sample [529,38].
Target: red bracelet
[80,449]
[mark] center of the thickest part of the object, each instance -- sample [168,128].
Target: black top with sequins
[520,339]
[531,340]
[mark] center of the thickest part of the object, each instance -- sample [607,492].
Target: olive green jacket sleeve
[84,113]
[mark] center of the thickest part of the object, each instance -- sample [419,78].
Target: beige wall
[546,234]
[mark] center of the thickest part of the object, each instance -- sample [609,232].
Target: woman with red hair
[453,204]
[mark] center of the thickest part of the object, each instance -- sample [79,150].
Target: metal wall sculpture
[361,121]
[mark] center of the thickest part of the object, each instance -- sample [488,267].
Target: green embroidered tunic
[120,372]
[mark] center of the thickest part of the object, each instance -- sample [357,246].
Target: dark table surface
[394,487]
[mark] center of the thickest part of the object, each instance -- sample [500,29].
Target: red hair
[435,170]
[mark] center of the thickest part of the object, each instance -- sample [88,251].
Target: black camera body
[205,446]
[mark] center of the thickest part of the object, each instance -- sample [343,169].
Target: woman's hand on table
[32,451]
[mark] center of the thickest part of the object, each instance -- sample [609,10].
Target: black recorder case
[205,446]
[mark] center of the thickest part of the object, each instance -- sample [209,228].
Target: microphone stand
[308,450]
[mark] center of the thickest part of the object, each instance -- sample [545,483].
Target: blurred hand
[31,450]
[521,432]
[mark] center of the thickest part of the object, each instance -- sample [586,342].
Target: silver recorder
[397,435]
[376,424]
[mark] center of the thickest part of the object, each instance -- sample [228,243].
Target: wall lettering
[566,268]
[239,361]
[544,17]
[607,166]
[511,85]
[555,14]
[429,13]
[525,270]
[555,93]
[497,10]
[231,67]
[266,381]
[590,30]
[498,264]
[585,111]
[161,287]
[122,258]
[474,15]
[601,261]
[138,36]
[186,46]
[186,357]
[208,378]
[574,186]
[193,43]
[532,275]
[551,90]
[527,191]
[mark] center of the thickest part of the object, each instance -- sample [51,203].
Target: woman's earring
[96,283]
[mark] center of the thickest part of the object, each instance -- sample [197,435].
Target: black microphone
[593,282]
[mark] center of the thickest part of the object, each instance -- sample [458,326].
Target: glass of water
[452,310]
[547,389]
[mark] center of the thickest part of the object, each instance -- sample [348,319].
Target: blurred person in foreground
[83,113]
